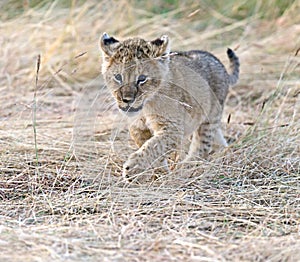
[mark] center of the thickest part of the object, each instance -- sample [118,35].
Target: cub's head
[134,69]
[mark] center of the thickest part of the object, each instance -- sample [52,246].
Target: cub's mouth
[131,109]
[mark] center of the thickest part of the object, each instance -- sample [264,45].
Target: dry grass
[242,205]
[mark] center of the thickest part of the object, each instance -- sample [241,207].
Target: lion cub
[169,96]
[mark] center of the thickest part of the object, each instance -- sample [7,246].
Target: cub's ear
[108,45]
[160,46]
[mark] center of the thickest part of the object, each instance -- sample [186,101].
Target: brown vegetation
[62,197]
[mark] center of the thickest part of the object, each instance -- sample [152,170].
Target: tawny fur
[170,96]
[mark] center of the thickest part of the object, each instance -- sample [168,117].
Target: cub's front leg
[139,131]
[152,154]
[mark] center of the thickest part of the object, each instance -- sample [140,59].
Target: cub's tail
[234,67]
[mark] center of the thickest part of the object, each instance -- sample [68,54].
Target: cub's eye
[118,78]
[141,79]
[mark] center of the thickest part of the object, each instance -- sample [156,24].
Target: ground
[63,142]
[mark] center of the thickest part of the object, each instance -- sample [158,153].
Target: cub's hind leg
[219,138]
[202,140]
[139,132]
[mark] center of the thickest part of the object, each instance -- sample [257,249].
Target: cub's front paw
[135,169]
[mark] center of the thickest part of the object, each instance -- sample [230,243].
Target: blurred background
[63,29]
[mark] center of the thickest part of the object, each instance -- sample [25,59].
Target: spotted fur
[169,95]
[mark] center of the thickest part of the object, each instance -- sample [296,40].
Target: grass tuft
[34,123]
